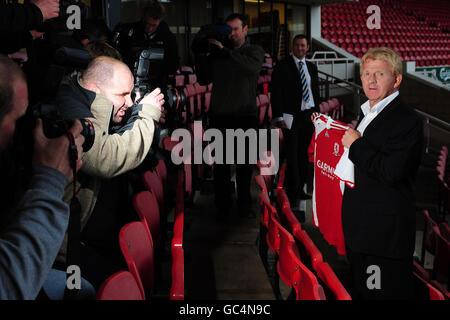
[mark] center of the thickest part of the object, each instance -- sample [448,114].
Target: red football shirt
[326,148]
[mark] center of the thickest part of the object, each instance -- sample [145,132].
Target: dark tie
[305,88]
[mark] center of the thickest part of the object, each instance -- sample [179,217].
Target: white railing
[328,62]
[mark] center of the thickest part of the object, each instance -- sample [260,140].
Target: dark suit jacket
[285,88]
[378,214]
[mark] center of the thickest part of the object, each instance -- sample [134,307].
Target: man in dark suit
[295,94]
[378,214]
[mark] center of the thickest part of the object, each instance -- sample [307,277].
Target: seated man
[102,94]
[30,240]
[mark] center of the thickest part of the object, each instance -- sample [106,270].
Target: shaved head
[113,80]
[101,71]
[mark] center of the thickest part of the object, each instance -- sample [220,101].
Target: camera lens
[175,98]
[88,134]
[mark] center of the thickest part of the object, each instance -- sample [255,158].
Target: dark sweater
[19,17]
[28,245]
[234,74]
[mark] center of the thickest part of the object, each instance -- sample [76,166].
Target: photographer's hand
[216,43]
[154,98]
[54,153]
[49,8]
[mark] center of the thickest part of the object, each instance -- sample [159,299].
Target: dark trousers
[395,277]
[297,142]
[222,173]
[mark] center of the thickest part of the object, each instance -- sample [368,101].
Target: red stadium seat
[161,170]
[424,290]
[121,285]
[429,235]
[292,271]
[331,282]
[281,176]
[153,183]
[308,250]
[147,208]
[177,284]
[137,248]
[261,183]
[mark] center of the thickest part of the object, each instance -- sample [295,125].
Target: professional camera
[220,32]
[150,59]
[55,127]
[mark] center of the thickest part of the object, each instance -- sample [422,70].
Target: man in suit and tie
[295,94]
[378,214]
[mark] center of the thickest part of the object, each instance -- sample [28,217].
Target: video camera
[220,32]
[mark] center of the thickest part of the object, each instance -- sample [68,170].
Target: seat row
[142,243]
[435,241]
[298,262]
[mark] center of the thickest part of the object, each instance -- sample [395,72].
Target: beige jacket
[110,156]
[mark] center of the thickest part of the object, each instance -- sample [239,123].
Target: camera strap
[73,284]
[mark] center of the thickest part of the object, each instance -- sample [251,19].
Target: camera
[151,59]
[220,32]
[54,126]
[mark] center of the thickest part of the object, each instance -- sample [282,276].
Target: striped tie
[305,88]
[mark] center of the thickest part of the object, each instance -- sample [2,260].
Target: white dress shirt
[371,113]
[345,169]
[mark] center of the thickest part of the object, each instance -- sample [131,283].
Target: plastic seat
[263,104]
[192,78]
[331,282]
[293,272]
[153,183]
[190,92]
[121,285]
[177,284]
[147,208]
[424,290]
[261,183]
[137,248]
[179,80]
[324,107]
[309,252]
[429,235]
[441,263]
[177,252]
[281,176]
[200,92]
[161,171]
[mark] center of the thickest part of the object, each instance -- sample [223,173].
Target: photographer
[102,94]
[31,236]
[24,17]
[150,32]
[18,23]
[234,72]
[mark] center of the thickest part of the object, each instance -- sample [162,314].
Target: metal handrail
[341,80]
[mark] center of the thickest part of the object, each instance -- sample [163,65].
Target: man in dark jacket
[151,32]
[18,22]
[295,94]
[378,214]
[234,73]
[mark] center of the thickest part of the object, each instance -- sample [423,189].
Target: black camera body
[219,32]
[149,59]
[54,126]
